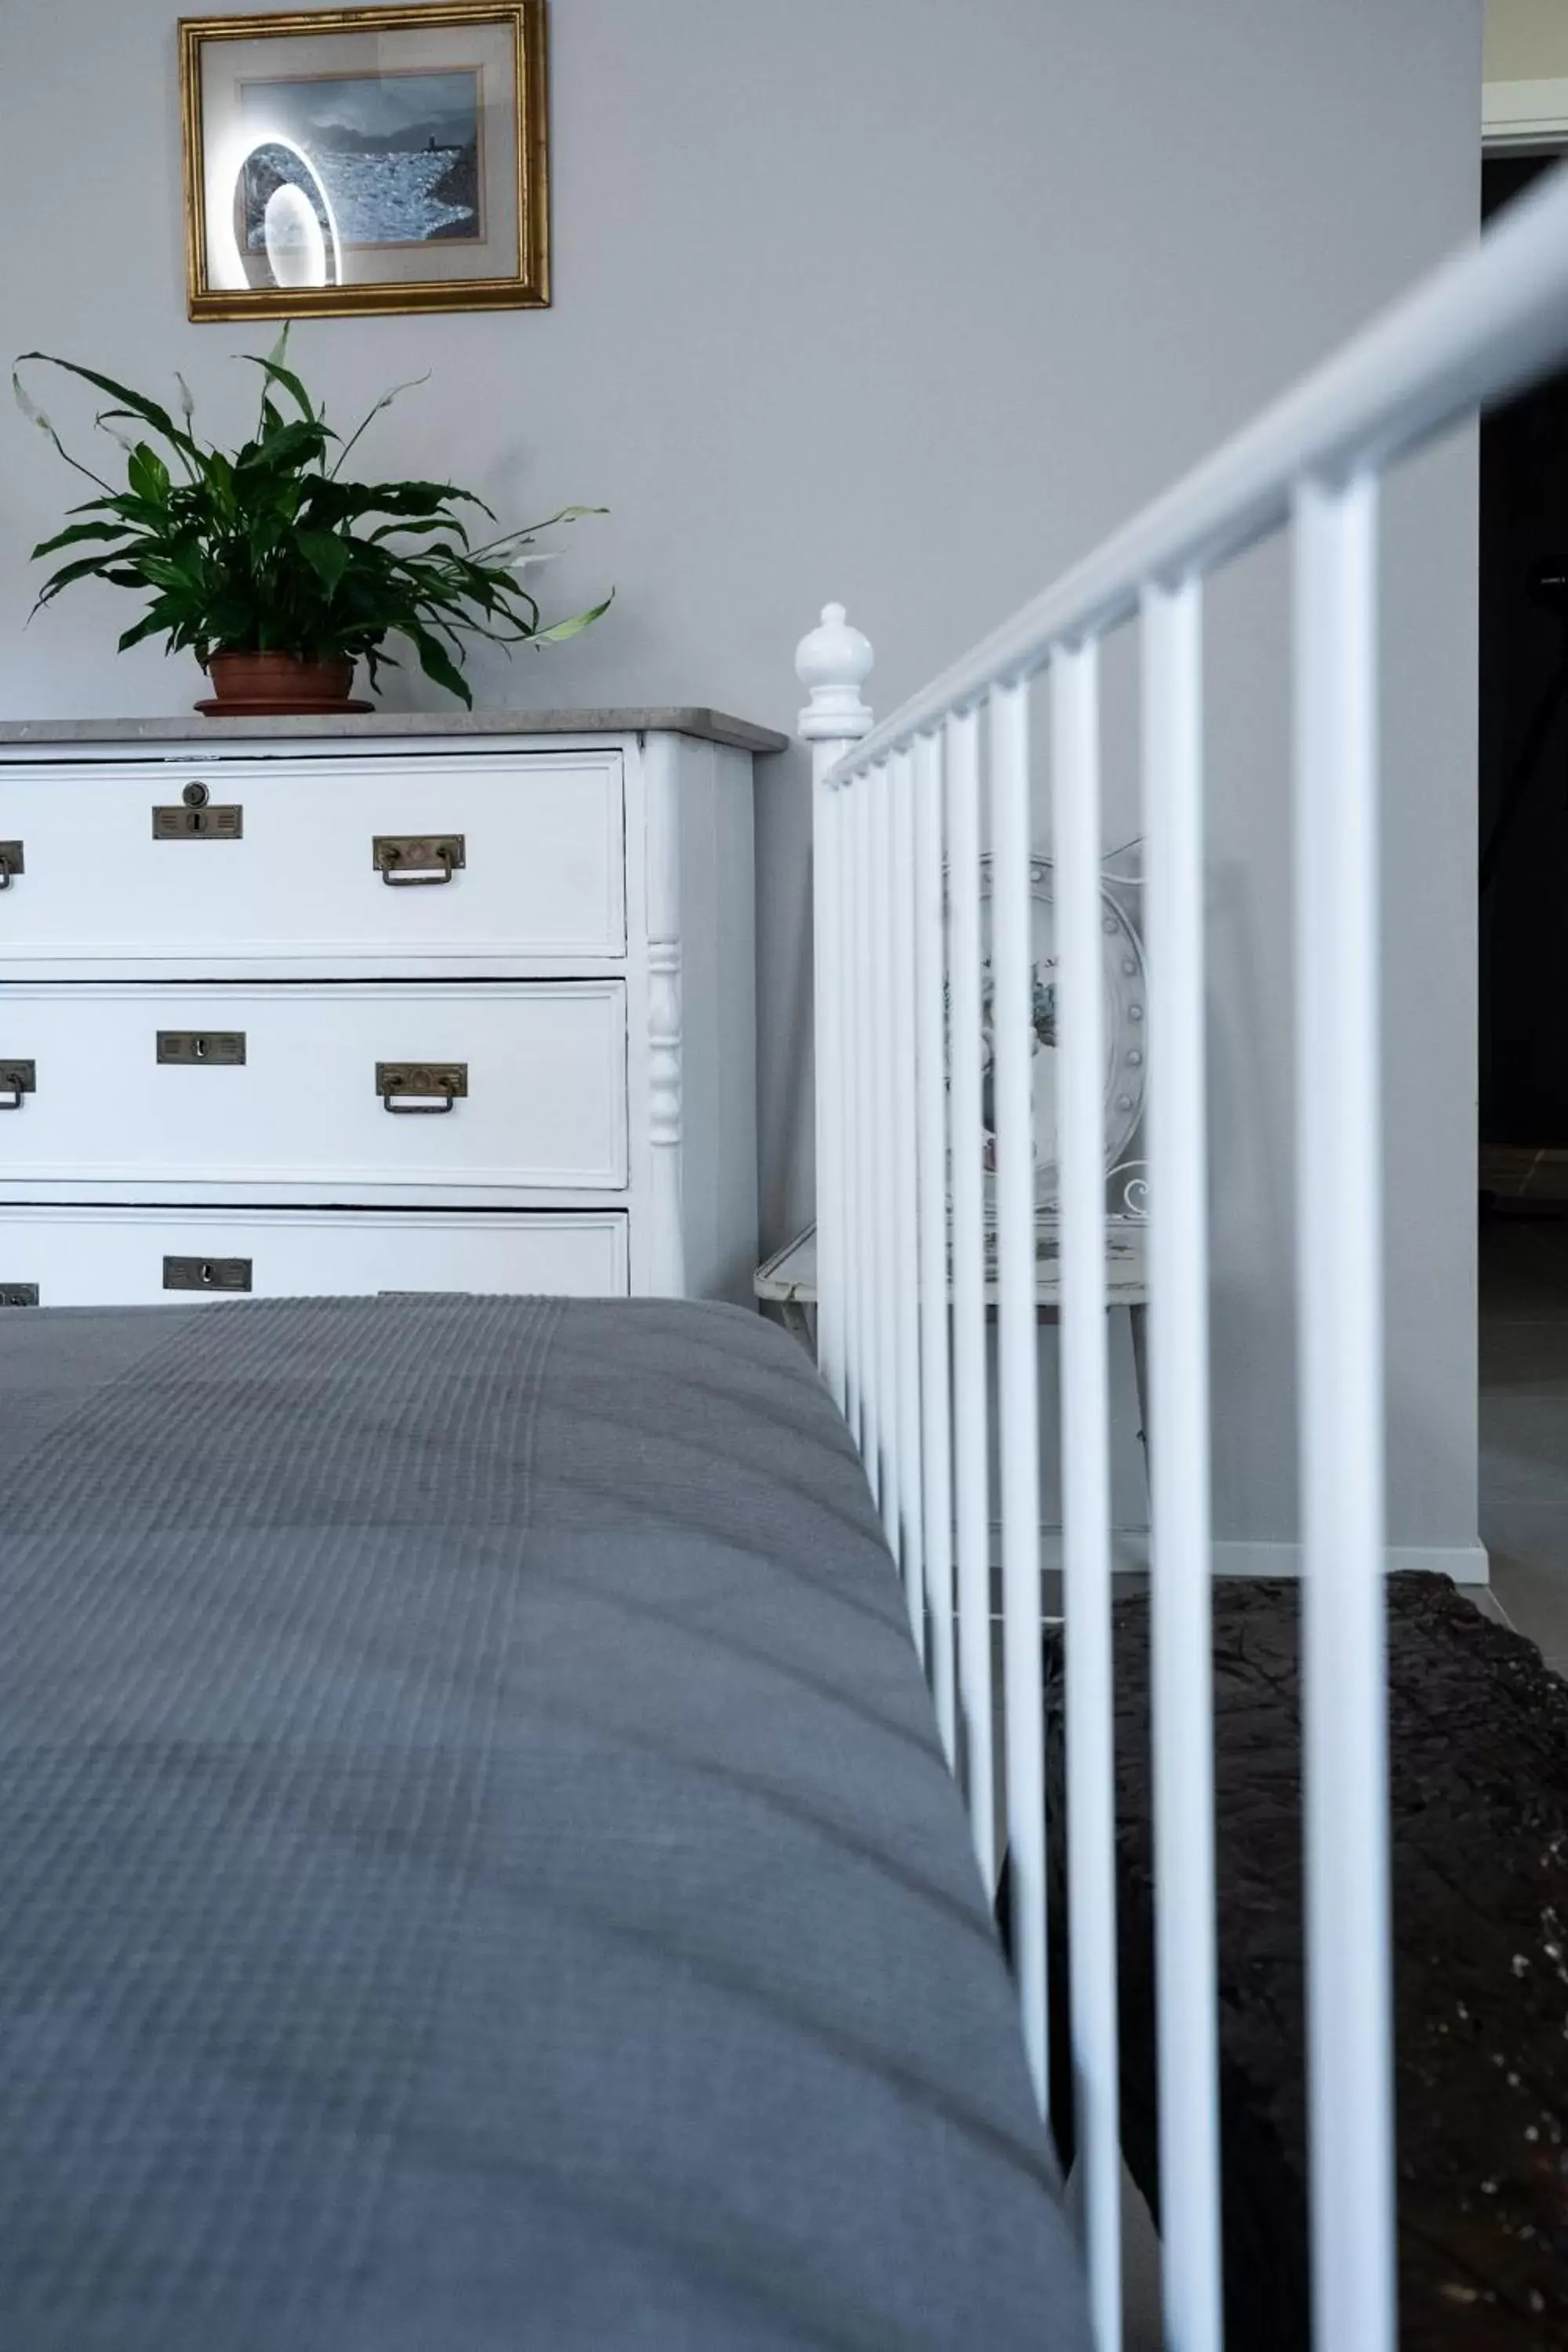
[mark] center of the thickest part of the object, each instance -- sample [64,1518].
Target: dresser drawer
[360,865]
[139,1257]
[342,1091]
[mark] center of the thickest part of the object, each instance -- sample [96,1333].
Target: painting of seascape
[398,154]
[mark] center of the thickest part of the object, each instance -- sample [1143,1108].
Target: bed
[481,1864]
[480,1869]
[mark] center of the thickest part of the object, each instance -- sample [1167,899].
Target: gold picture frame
[399,203]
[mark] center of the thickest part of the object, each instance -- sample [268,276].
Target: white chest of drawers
[402,1005]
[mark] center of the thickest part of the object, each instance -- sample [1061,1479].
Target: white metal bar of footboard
[906,1195]
[1017,1406]
[830,987]
[862,1274]
[855,1169]
[838,1198]
[1339,1236]
[1479,329]
[1181,1667]
[883,1237]
[1086,1472]
[972,1469]
[929,949]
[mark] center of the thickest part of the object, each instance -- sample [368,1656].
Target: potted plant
[279,573]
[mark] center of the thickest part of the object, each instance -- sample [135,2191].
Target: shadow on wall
[787,1115]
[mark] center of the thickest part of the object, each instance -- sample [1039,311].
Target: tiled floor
[1524,1426]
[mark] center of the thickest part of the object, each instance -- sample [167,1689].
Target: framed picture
[366,159]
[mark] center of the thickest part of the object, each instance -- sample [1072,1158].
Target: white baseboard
[1524,117]
[1466,1563]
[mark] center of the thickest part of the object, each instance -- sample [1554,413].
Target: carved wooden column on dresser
[376,1004]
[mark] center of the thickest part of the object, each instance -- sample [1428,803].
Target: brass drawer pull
[198,823]
[408,861]
[206,1274]
[200,1048]
[18,1294]
[18,1080]
[395,1082]
[11,863]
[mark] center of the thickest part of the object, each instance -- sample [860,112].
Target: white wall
[904,303]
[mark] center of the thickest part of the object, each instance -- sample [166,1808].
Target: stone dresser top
[399,726]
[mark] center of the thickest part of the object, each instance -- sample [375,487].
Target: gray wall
[903,303]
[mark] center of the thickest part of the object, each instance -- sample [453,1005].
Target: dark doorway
[1524,750]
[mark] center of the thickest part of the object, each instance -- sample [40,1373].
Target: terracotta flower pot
[278,686]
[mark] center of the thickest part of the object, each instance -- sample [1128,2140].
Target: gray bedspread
[475,1870]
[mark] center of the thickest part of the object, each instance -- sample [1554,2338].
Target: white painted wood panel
[662,1043]
[84,1257]
[546,1106]
[703,989]
[544,872]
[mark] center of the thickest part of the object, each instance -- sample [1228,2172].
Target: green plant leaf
[276,372]
[82,569]
[563,514]
[436,662]
[148,410]
[35,415]
[419,497]
[78,532]
[266,548]
[327,556]
[425,523]
[292,445]
[152,517]
[558,634]
[152,621]
[148,474]
[182,561]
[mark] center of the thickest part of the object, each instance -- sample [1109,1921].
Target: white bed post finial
[833,664]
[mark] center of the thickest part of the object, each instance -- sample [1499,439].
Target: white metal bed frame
[897,818]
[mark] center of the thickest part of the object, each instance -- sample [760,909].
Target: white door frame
[1524,117]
